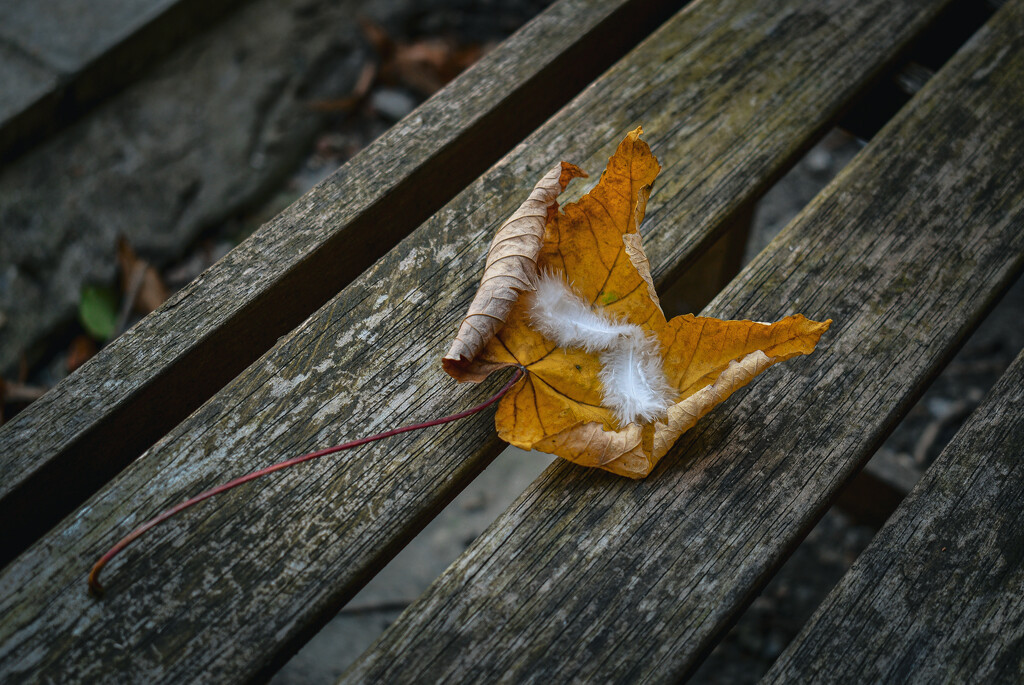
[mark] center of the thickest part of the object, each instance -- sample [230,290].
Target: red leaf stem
[96,589]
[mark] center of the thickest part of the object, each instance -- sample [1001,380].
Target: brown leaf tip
[510,270]
[569,172]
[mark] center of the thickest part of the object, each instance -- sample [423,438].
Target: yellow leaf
[625,383]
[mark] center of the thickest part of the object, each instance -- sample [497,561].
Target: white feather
[633,380]
[561,316]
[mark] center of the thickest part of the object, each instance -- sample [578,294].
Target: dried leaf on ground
[367,76]
[140,282]
[423,66]
[561,406]
[81,350]
[17,396]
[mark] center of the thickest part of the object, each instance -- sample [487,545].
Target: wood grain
[731,93]
[590,578]
[64,447]
[936,597]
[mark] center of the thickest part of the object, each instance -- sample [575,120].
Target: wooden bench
[937,595]
[587,576]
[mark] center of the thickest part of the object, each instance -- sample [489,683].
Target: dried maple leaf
[140,282]
[611,383]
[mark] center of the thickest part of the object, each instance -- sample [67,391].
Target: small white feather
[561,316]
[635,387]
[633,380]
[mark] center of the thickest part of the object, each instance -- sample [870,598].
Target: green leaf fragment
[97,310]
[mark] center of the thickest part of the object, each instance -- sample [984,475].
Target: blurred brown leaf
[18,396]
[140,282]
[424,66]
[427,65]
[81,350]
[360,90]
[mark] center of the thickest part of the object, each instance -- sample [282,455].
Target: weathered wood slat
[64,447]
[588,577]
[731,92]
[938,596]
